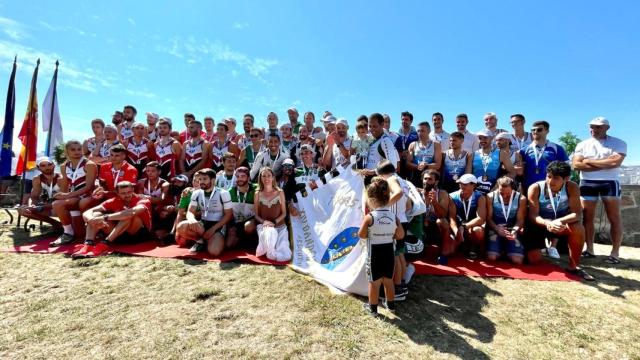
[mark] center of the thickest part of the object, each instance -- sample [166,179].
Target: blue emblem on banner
[339,247]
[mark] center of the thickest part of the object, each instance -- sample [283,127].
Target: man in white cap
[598,159]
[152,132]
[338,146]
[329,124]
[293,115]
[467,216]
[45,186]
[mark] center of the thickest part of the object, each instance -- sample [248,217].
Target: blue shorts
[591,190]
[497,245]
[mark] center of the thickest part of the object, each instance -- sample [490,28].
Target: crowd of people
[212,187]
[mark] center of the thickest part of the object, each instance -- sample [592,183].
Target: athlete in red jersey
[195,151]
[168,151]
[139,149]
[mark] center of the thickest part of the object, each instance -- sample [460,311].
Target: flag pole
[53,102]
[26,151]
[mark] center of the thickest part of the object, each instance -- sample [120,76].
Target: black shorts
[380,261]
[535,235]
[209,224]
[432,233]
[591,190]
[141,236]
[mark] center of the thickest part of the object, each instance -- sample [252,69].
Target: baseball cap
[484,133]
[503,135]
[329,119]
[181,177]
[599,121]
[153,115]
[42,159]
[288,162]
[292,109]
[167,120]
[285,125]
[136,124]
[342,121]
[306,147]
[230,119]
[467,179]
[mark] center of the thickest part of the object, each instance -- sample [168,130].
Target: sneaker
[63,240]
[371,310]
[411,269]
[390,306]
[86,251]
[400,293]
[197,247]
[100,249]
[472,255]
[553,252]
[443,260]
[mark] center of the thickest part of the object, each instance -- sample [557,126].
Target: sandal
[583,274]
[612,260]
[587,255]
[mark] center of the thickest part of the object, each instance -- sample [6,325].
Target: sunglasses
[287,166]
[538,129]
[254,136]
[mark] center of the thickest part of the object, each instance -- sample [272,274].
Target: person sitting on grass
[470,215]
[180,199]
[156,189]
[380,227]
[123,218]
[243,228]
[555,213]
[270,213]
[506,213]
[45,186]
[436,219]
[213,206]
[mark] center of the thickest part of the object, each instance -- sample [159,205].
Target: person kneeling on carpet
[124,218]
[506,212]
[470,215]
[45,187]
[242,231]
[270,209]
[381,227]
[214,208]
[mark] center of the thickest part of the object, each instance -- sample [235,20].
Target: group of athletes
[490,194]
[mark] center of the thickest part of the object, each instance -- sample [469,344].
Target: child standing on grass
[380,227]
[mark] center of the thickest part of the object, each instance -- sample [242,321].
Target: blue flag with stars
[7,128]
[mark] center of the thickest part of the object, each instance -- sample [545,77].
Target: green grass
[120,307]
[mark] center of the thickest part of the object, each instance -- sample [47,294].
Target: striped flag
[51,123]
[29,132]
[7,128]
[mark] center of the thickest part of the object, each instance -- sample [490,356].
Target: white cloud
[132,22]
[13,29]
[194,51]
[240,25]
[140,93]
[72,29]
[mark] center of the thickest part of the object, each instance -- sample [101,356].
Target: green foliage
[59,154]
[569,141]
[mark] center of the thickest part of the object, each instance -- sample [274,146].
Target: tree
[569,141]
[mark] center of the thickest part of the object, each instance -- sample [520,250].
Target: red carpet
[457,266]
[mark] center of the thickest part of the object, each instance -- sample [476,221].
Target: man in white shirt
[598,159]
[471,142]
[439,135]
[519,137]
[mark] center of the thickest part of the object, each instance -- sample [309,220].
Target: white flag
[52,118]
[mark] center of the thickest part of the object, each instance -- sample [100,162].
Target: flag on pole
[51,123]
[29,132]
[7,128]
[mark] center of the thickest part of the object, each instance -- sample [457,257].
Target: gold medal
[455,177]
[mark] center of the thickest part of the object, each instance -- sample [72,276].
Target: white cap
[167,120]
[230,119]
[599,121]
[292,109]
[42,159]
[484,133]
[181,177]
[504,135]
[342,121]
[330,119]
[153,115]
[467,179]
[288,161]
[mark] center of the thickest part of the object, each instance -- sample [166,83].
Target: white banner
[325,235]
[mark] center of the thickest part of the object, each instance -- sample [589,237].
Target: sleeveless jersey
[48,190]
[166,158]
[219,151]
[399,208]
[559,207]
[383,226]
[138,154]
[471,205]
[153,191]
[250,154]
[77,177]
[338,158]
[510,209]
[91,144]
[243,208]
[424,153]
[104,149]
[192,154]
[454,167]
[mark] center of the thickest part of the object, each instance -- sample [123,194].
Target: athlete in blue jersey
[488,161]
[506,213]
[455,162]
[538,154]
[554,212]
[467,222]
[423,154]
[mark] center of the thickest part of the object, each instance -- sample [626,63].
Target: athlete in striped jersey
[195,151]
[226,178]
[139,149]
[168,151]
[100,153]
[221,146]
[78,179]
[97,126]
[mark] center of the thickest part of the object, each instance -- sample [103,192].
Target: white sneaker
[409,273]
[553,252]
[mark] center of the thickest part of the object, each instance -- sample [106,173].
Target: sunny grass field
[119,307]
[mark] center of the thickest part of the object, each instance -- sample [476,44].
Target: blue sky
[562,61]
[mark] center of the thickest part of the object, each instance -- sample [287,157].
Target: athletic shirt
[560,202]
[381,148]
[77,177]
[442,138]
[383,226]
[250,154]
[517,144]
[223,181]
[304,175]
[104,149]
[431,213]
[137,154]
[338,158]
[125,131]
[399,208]
[535,171]
[153,135]
[155,191]
[288,145]
[593,148]
[212,204]
[243,207]
[424,153]
[471,205]
[166,158]
[454,166]
[512,211]
[490,162]
[91,144]
[48,190]
[192,154]
[219,151]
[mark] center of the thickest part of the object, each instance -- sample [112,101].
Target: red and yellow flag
[29,132]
